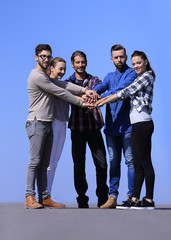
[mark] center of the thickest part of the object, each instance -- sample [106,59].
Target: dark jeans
[96,144]
[141,148]
[40,136]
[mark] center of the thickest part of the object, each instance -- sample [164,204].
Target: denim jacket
[117,120]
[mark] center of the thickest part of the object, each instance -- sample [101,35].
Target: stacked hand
[92,100]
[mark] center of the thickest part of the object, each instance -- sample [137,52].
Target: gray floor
[71,223]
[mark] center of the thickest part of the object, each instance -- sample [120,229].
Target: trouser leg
[78,154]
[141,146]
[42,168]
[96,144]
[38,132]
[114,145]
[127,151]
[59,135]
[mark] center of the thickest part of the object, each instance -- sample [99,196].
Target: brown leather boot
[32,203]
[48,202]
[111,203]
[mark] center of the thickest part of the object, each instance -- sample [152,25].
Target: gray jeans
[40,136]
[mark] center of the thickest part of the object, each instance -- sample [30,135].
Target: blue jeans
[115,146]
[40,136]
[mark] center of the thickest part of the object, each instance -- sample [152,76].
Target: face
[139,65]
[79,64]
[43,59]
[58,71]
[119,59]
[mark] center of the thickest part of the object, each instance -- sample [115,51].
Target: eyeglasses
[43,57]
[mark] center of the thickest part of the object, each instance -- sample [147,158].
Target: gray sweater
[41,91]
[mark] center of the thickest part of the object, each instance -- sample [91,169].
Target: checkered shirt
[140,92]
[79,119]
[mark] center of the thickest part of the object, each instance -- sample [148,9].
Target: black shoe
[147,205]
[144,205]
[82,202]
[136,205]
[126,204]
[83,205]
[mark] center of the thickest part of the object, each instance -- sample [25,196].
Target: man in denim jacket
[117,124]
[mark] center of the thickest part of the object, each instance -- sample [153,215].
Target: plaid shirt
[79,119]
[140,92]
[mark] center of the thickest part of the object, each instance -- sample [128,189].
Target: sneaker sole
[143,208]
[122,207]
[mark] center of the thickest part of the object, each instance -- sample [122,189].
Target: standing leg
[38,133]
[59,135]
[114,146]
[141,145]
[96,144]
[78,154]
[127,151]
[42,169]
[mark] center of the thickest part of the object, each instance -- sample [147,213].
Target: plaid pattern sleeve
[80,120]
[140,91]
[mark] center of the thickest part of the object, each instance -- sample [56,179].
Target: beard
[42,66]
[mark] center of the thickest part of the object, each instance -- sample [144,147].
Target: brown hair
[117,47]
[42,47]
[80,54]
[144,57]
[54,62]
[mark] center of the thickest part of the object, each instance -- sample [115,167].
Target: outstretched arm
[110,99]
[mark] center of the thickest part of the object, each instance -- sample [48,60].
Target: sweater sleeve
[45,84]
[73,88]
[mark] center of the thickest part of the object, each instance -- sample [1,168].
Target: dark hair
[117,47]
[144,57]
[80,54]
[42,47]
[54,62]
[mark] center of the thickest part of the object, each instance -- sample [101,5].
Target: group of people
[127,93]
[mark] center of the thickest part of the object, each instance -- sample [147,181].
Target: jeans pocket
[28,124]
[30,128]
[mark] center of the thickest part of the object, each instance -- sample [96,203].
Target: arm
[108,99]
[73,88]
[46,85]
[124,82]
[103,86]
[141,82]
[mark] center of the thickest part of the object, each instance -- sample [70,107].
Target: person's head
[140,63]
[43,56]
[57,68]
[118,56]
[79,61]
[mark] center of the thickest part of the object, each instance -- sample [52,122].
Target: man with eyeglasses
[38,126]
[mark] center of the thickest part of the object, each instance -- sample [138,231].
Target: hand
[101,102]
[85,98]
[109,99]
[87,105]
[92,94]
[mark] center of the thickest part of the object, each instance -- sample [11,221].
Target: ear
[72,64]
[146,61]
[126,57]
[36,57]
[51,68]
[111,59]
